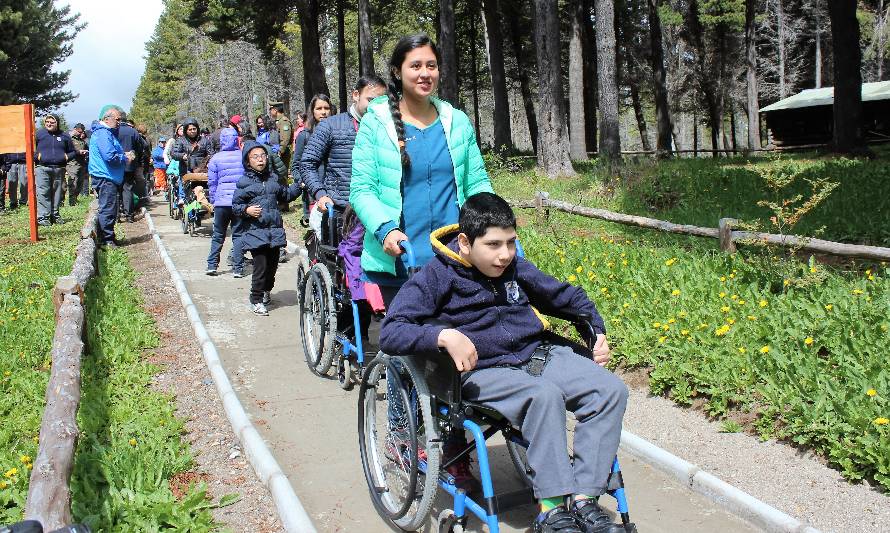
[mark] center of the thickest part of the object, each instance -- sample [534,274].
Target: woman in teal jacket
[414,163]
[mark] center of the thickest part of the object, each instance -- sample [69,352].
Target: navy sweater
[54,149]
[496,314]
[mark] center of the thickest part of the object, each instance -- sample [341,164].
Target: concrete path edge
[293,516]
[731,498]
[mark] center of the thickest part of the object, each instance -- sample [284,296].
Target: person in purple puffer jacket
[223,172]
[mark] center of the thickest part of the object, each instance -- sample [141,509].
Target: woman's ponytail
[394,94]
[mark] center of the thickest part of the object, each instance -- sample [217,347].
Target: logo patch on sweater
[512,289]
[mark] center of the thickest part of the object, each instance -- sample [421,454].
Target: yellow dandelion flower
[604,290]
[722,278]
[579,269]
[610,264]
[742,302]
[731,276]
[670,261]
[734,297]
[665,327]
[731,321]
[671,321]
[868,272]
[675,292]
[808,341]
[662,339]
[765,349]
[725,308]
[722,295]
[722,330]
[681,314]
[684,332]
[786,282]
[7,373]
[857,291]
[11,472]
[812,269]
[871,277]
[624,263]
[829,307]
[871,393]
[572,278]
[881,421]
[752,317]
[132,442]
[25,459]
[3,484]
[742,350]
[626,305]
[762,303]
[656,324]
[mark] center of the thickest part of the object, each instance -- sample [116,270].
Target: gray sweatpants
[537,406]
[49,182]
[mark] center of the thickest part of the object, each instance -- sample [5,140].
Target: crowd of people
[409,166]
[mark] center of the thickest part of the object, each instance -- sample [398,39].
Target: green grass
[131,442]
[794,350]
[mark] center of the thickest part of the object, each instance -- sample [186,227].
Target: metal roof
[878,90]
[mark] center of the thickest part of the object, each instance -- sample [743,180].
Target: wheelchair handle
[410,259]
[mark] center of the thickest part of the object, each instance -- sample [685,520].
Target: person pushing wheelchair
[479,302]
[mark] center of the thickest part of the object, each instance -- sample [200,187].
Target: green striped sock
[549,503]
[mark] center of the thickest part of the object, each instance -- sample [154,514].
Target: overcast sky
[109,54]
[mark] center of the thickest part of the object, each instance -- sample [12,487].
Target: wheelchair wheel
[184,222]
[170,202]
[401,454]
[302,272]
[318,322]
[449,523]
[345,372]
[519,458]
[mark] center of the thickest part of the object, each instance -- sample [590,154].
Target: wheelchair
[192,203]
[404,465]
[330,320]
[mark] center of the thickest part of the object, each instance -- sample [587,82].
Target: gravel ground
[219,459]
[786,478]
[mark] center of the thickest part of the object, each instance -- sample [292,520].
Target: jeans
[265,264]
[222,219]
[49,182]
[109,197]
[17,183]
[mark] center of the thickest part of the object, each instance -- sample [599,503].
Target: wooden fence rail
[49,494]
[727,235]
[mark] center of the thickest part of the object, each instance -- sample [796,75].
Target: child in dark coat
[255,202]
[475,300]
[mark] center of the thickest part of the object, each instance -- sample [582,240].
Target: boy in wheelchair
[488,300]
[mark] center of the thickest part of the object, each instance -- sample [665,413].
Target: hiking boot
[557,520]
[260,309]
[592,518]
[267,297]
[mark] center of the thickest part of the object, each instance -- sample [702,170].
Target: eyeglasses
[258,157]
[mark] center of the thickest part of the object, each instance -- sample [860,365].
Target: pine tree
[35,35]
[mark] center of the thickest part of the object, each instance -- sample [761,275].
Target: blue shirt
[429,195]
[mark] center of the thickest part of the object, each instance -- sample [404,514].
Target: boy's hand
[601,352]
[254,211]
[460,348]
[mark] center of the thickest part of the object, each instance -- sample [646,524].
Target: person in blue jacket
[160,165]
[223,173]
[479,302]
[106,166]
[54,150]
[262,229]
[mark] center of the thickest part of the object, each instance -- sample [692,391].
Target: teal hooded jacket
[376,188]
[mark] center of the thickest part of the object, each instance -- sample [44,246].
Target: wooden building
[806,117]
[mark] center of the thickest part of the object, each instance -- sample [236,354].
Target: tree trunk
[818,12]
[695,133]
[448,49]
[365,44]
[847,76]
[659,82]
[314,81]
[495,51]
[577,122]
[751,76]
[780,32]
[735,141]
[880,24]
[553,153]
[591,92]
[474,67]
[341,56]
[709,86]
[523,68]
[638,113]
[610,139]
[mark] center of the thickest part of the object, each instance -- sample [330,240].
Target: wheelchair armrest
[583,322]
[442,378]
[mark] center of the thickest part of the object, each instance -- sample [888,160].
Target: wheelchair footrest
[514,499]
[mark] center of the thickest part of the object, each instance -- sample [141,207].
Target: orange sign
[12,129]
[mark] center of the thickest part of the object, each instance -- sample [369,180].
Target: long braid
[394,93]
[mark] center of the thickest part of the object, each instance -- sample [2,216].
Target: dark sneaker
[211,271]
[238,274]
[267,297]
[282,256]
[556,520]
[592,518]
[44,222]
[59,220]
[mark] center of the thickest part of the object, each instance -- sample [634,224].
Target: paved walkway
[310,423]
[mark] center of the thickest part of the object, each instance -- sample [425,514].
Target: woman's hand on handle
[391,242]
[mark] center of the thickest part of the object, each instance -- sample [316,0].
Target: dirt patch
[219,461]
[180,483]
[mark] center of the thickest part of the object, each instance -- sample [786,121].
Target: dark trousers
[265,264]
[17,184]
[127,194]
[109,197]
[2,189]
[222,219]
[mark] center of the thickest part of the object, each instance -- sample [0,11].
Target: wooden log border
[49,494]
[728,236]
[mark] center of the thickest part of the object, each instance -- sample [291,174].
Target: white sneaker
[260,309]
[267,297]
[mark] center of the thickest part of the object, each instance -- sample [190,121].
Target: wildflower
[883,327]
[765,349]
[656,325]
[786,282]
[670,261]
[675,292]
[703,326]
[25,459]
[604,290]
[579,269]
[881,421]
[3,484]
[812,269]
[734,297]
[665,327]
[742,350]
[684,332]
[610,264]
[725,308]
[11,472]
[572,278]
[681,314]
[857,291]
[7,373]
[741,302]
[731,321]
[132,442]
[722,330]
[763,303]
[829,307]
[671,321]
[722,278]
[752,317]
[722,295]
[732,276]
[871,277]
[624,263]
[626,305]
[662,339]
[808,341]
[871,393]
